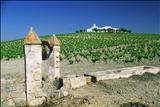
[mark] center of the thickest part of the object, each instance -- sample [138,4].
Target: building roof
[105,27]
[32,37]
[53,41]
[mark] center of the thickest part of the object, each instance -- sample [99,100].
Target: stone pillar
[54,59]
[33,62]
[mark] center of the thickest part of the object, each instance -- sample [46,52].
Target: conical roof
[53,41]
[32,37]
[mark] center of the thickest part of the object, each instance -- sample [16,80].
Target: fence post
[33,62]
[54,59]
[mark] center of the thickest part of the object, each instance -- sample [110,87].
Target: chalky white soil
[109,93]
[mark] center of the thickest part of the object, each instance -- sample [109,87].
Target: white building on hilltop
[95,28]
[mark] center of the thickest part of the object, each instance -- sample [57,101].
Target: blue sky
[54,17]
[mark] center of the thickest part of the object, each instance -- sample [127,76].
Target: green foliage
[12,49]
[125,30]
[124,47]
[95,30]
[129,31]
[110,30]
[80,31]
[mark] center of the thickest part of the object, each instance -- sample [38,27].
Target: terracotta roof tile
[32,37]
[53,41]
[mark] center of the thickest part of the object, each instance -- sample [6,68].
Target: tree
[77,31]
[129,31]
[110,30]
[123,29]
[81,30]
[84,30]
[95,30]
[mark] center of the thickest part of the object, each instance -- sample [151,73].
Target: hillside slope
[117,47]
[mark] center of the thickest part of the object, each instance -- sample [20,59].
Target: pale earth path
[110,93]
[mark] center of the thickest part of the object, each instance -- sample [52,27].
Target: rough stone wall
[54,63]
[33,55]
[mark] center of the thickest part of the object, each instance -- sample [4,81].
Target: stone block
[103,75]
[63,92]
[108,76]
[11,103]
[74,81]
[88,79]
[36,102]
[38,93]
[153,70]
[77,82]
[125,75]
[37,76]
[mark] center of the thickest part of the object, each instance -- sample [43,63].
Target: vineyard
[75,47]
